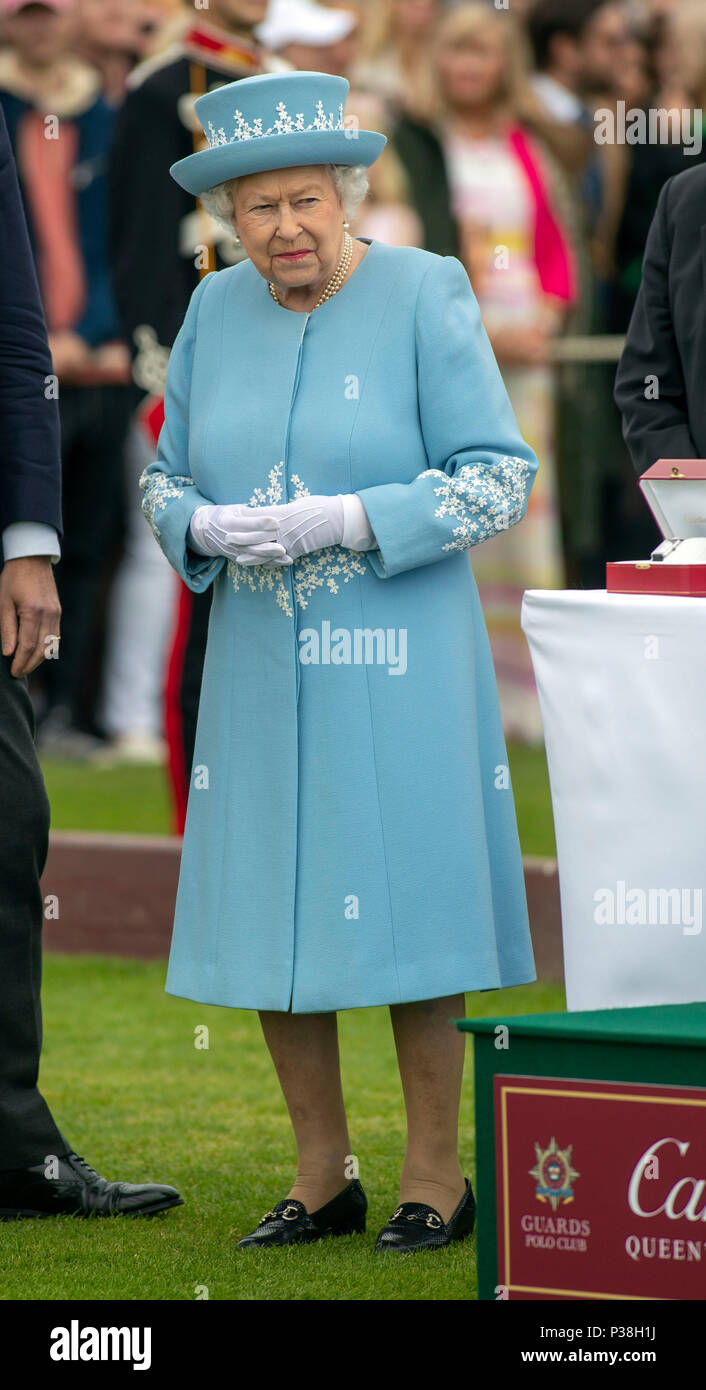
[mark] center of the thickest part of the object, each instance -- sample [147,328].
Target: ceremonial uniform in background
[161,243]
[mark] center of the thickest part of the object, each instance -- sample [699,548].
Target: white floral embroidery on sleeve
[160,489]
[484,498]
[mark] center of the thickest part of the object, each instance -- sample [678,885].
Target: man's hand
[30,611]
[70,354]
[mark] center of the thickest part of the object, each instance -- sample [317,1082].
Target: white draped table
[622,690]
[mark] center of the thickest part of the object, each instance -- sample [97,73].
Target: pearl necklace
[336,280]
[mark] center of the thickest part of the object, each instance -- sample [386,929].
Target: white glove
[278,535]
[249,535]
[308,523]
[358,534]
[312,523]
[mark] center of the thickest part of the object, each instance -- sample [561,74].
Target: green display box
[591,1154]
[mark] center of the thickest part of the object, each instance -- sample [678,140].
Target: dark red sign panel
[601,1189]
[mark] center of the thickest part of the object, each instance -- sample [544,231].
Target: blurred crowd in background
[490,113]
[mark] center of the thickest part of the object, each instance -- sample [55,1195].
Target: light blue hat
[275,121]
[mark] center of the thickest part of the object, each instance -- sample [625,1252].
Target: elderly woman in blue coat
[337,438]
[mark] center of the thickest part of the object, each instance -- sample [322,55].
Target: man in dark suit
[659,385]
[40,1174]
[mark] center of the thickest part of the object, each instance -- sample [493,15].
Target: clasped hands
[275,535]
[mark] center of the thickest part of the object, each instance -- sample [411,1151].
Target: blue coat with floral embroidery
[350,837]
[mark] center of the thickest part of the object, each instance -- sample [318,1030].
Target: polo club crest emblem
[554,1174]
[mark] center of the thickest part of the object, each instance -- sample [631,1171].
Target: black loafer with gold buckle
[415,1226]
[289,1222]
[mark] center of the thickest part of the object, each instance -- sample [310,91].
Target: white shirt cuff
[357,532]
[26,538]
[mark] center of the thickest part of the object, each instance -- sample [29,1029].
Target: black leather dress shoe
[78,1190]
[289,1222]
[415,1226]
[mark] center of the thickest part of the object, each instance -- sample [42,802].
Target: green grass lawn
[135,798]
[140,1102]
[124,798]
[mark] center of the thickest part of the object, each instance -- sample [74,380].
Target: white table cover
[622,690]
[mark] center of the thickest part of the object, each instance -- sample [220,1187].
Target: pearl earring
[346,225]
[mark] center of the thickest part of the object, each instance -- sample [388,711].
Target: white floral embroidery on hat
[284,125]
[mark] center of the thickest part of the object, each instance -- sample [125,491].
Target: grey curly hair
[349,180]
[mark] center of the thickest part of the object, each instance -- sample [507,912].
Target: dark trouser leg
[183,692]
[193,671]
[27,1131]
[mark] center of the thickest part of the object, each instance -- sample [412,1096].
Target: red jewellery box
[675,492]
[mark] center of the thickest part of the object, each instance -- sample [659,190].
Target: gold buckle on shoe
[293,1217]
[434,1221]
